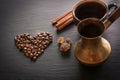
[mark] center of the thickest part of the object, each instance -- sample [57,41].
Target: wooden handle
[115,15]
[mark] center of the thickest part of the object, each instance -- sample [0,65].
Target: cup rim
[87,1]
[91,19]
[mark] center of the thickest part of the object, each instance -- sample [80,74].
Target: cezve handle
[114,15]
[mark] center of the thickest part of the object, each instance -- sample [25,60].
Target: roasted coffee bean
[35,47]
[34,58]
[47,38]
[37,55]
[43,37]
[39,35]
[25,48]
[47,33]
[42,47]
[44,34]
[46,42]
[27,54]
[18,46]
[42,50]
[45,46]
[39,52]
[27,45]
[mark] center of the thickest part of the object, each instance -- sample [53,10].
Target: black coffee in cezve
[90,31]
[90,9]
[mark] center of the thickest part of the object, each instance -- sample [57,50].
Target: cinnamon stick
[64,19]
[60,17]
[65,24]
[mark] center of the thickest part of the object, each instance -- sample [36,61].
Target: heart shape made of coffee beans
[33,47]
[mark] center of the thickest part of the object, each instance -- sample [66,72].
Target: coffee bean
[42,50]
[37,55]
[34,58]
[39,52]
[27,54]
[44,34]
[31,54]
